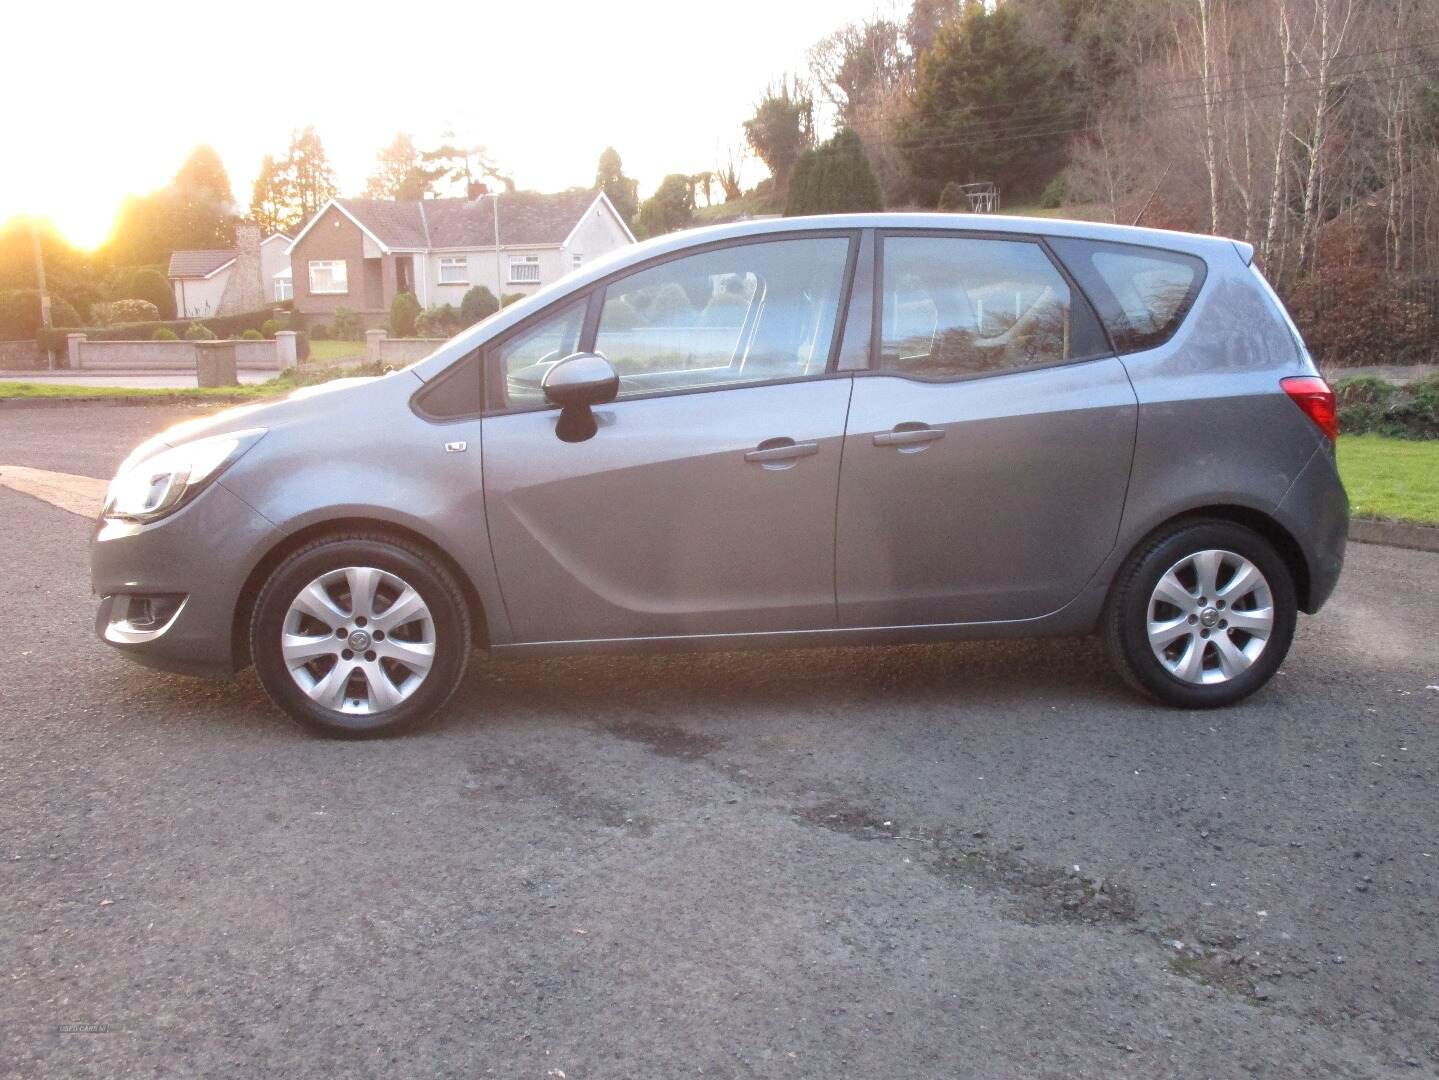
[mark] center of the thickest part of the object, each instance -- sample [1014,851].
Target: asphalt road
[940,861]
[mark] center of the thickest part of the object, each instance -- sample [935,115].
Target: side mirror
[575,383]
[581,379]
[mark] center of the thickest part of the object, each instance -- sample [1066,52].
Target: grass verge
[1396,479]
[307,374]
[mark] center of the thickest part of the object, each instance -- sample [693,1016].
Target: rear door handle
[908,434]
[774,453]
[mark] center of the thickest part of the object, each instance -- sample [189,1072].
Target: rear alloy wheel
[359,636]
[1202,616]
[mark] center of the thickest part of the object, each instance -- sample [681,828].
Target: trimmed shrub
[440,322]
[347,325]
[147,283]
[198,331]
[1369,404]
[509,298]
[478,303]
[129,311]
[252,335]
[164,333]
[269,328]
[221,325]
[320,332]
[404,311]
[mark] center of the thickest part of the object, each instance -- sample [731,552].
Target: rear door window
[956,306]
[1143,294]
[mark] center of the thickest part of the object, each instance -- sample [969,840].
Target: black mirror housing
[581,379]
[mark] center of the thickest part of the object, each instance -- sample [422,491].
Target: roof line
[340,207]
[606,199]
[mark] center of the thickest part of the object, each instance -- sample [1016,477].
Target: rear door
[988,450]
[704,503]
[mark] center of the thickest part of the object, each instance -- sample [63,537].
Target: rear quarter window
[1142,294]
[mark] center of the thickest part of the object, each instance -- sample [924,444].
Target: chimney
[245,287]
[476,189]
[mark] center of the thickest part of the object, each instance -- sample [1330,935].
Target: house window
[284,287]
[328,276]
[524,269]
[454,270]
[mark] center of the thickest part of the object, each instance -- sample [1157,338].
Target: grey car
[834,430]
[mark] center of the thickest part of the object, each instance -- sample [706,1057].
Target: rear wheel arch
[260,573]
[1257,521]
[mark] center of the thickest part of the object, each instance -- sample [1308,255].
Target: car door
[704,502]
[988,449]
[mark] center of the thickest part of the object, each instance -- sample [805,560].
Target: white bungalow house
[359,253]
[201,280]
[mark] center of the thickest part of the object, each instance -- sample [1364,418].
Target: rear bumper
[1315,511]
[198,561]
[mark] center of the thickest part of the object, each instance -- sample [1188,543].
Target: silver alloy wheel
[1210,617]
[358,640]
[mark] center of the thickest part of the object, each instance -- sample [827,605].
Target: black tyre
[360,635]
[1201,615]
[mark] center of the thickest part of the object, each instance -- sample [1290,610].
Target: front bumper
[195,562]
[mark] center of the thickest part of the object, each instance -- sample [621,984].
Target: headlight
[158,485]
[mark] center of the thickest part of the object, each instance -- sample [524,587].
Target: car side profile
[850,429]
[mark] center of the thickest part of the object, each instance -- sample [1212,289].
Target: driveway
[966,860]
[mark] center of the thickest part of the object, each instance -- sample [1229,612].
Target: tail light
[1313,396]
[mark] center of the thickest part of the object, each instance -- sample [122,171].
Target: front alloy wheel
[360,635]
[358,640]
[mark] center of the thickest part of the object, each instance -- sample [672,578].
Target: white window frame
[530,264]
[329,265]
[449,265]
[284,287]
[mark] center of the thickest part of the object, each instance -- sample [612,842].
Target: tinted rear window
[1142,294]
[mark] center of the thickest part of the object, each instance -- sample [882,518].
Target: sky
[121,92]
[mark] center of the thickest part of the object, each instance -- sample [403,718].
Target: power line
[1059,126]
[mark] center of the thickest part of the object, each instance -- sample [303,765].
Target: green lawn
[10,389]
[324,352]
[1391,478]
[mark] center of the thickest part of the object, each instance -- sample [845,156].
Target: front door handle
[909,434]
[780,453]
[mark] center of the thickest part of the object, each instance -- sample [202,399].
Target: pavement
[960,860]
[138,380]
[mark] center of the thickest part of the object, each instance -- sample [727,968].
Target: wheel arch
[250,591]
[1257,521]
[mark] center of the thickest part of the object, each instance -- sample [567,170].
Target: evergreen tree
[987,105]
[834,178]
[622,191]
[782,129]
[671,207]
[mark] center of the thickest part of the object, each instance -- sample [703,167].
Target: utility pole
[499,279]
[40,288]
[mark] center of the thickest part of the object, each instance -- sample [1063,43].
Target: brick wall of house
[334,237]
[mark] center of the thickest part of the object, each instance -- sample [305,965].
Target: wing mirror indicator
[576,383]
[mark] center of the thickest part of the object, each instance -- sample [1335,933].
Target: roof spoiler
[1246,251]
